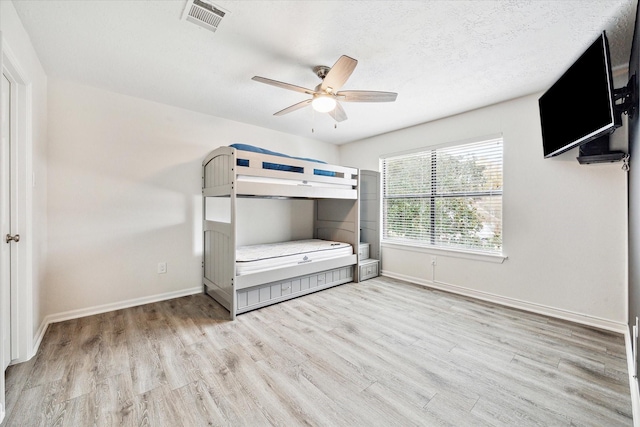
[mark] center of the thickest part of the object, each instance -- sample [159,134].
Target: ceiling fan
[325,96]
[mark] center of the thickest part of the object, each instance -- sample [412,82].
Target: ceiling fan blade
[339,73]
[282,85]
[294,107]
[338,113]
[366,96]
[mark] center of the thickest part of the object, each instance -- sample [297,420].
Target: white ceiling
[442,57]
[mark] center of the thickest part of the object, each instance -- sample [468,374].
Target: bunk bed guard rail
[269,175]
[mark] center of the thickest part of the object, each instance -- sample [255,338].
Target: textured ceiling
[442,57]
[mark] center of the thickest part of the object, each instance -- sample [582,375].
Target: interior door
[5,222]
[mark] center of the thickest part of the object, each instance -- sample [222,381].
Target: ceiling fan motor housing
[321,71]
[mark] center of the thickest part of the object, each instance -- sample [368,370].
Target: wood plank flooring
[378,353]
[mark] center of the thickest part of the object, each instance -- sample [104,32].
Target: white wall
[34,149]
[125,193]
[564,228]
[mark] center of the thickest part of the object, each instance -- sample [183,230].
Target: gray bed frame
[336,217]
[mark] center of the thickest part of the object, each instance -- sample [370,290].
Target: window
[448,197]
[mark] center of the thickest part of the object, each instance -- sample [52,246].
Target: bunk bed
[244,278]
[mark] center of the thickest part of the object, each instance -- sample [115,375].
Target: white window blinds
[445,197]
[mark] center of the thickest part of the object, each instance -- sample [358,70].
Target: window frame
[430,246]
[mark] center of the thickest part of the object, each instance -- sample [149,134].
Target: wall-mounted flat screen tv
[579,107]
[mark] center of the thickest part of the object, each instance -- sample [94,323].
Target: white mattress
[256,258]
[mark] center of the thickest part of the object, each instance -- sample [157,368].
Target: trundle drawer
[263,295]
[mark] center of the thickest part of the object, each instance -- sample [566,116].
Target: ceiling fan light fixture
[323,103]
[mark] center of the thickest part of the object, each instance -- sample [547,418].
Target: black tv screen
[579,107]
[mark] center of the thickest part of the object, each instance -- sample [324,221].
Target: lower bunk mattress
[256,258]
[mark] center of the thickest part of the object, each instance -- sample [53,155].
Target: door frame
[7,284]
[12,196]
[23,182]
[2,388]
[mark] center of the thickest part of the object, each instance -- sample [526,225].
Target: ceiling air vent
[203,14]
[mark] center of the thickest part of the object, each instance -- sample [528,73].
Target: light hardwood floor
[377,353]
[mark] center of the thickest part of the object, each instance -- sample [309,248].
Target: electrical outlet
[162,267]
[434,260]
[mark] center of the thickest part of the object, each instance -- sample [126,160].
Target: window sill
[494,258]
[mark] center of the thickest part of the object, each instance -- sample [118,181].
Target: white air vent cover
[203,14]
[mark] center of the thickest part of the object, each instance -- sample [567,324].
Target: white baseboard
[633,380]
[583,319]
[38,338]
[90,311]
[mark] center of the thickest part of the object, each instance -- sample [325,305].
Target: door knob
[15,238]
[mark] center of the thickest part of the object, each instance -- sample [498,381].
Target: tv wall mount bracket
[597,150]
[626,99]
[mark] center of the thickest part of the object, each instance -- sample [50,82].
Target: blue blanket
[278,166]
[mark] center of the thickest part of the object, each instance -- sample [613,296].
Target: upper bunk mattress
[256,258]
